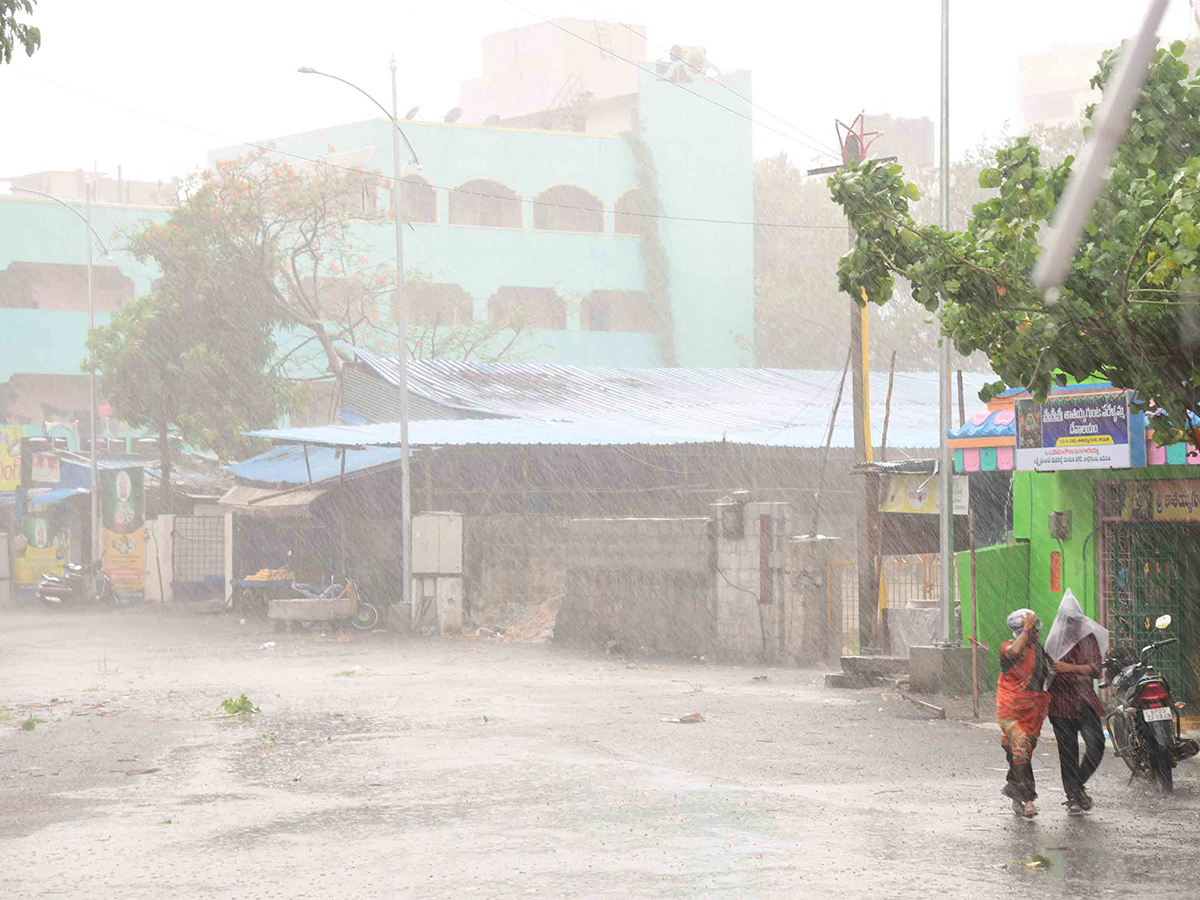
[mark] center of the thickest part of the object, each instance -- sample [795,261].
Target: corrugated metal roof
[783,407]
[523,432]
[285,465]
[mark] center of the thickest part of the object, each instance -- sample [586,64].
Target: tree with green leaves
[1128,312]
[192,367]
[14,32]
[290,240]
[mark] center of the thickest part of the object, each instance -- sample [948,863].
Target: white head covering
[1070,627]
[1016,620]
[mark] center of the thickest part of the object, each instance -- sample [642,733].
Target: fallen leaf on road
[143,771]
[689,719]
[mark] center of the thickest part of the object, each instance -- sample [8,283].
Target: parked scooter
[77,586]
[1145,724]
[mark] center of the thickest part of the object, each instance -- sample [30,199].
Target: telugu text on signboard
[1073,431]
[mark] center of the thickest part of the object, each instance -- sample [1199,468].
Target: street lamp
[86,218]
[401,327]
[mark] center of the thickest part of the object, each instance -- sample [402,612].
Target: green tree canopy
[13,32]
[197,369]
[1128,311]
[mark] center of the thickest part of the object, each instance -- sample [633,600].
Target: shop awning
[58,495]
[269,503]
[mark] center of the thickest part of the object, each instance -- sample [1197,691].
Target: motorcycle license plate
[1157,714]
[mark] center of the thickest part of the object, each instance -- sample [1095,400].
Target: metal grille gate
[198,557]
[903,578]
[1143,577]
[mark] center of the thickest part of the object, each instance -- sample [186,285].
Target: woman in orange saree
[1021,706]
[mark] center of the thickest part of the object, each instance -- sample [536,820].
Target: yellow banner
[1161,501]
[39,548]
[907,493]
[125,560]
[10,456]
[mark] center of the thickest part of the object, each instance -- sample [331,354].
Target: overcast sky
[152,85]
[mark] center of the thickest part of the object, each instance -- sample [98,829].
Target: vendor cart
[252,595]
[340,603]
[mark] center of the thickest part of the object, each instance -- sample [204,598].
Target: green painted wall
[1036,495]
[1001,581]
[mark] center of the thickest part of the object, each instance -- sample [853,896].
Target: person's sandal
[1030,810]
[1085,801]
[1018,808]
[1074,807]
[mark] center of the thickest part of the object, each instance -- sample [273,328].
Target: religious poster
[39,548]
[123,533]
[1073,430]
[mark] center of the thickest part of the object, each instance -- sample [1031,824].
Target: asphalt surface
[394,767]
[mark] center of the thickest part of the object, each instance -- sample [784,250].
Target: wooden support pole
[429,479]
[887,409]
[974,611]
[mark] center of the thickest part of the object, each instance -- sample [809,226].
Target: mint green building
[505,218]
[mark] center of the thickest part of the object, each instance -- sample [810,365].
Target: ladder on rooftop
[604,38]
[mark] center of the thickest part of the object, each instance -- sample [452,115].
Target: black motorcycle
[1145,724]
[77,586]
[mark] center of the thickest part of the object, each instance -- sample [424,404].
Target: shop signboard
[918,493]
[1166,500]
[1076,430]
[122,515]
[39,548]
[46,468]
[10,456]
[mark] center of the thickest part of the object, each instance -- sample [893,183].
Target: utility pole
[866,493]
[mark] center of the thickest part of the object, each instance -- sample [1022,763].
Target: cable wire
[267,148]
[833,152]
[790,137]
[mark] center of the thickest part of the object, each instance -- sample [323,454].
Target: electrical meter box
[437,543]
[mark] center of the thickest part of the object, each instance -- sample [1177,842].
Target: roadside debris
[150,771]
[689,719]
[921,704]
[759,678]
[268,645]
[241,706]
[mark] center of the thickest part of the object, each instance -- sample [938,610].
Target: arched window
[629,213]
[438,305]
[616,311]
[418,200]
[566,207]
[526,307]
[486,203]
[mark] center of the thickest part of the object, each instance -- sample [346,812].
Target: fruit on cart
[272,575]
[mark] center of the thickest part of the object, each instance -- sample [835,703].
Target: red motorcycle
[1145,724]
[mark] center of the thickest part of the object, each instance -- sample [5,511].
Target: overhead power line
[391,178]
[791,137]
[829,148]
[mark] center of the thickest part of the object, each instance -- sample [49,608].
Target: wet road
[381,767]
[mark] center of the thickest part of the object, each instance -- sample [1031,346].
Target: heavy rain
[592,449]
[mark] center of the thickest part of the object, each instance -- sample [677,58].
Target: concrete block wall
[641,583]
[512,563]
[744,630]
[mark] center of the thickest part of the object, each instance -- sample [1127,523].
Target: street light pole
[402,365]
[92,382]
[402,331]
[945,463]
[86,218]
